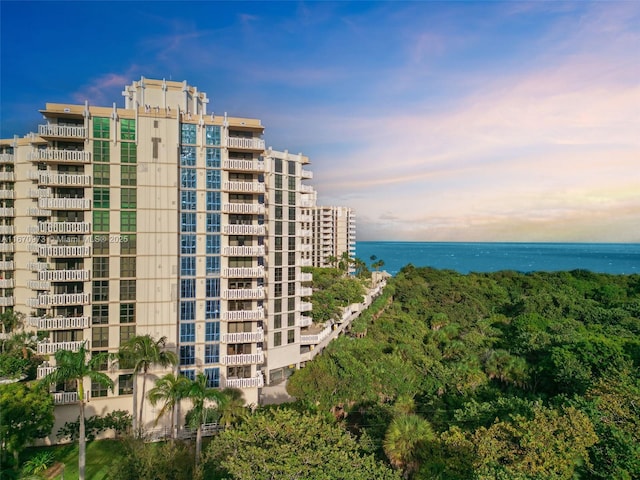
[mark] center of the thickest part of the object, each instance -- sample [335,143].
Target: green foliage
[119,421]
[39,463]
[284,444]
[332,290]
[153,461]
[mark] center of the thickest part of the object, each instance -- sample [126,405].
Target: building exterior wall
[333,235]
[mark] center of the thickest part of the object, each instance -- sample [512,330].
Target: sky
[434,121]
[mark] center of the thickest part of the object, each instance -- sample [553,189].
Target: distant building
[334,234]
[166,219]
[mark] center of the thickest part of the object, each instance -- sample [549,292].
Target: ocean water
[614,258]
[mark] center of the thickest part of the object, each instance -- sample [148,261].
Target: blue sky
[435,121]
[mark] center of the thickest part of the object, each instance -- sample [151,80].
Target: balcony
[243,315]
[306,189]
[305,321]
[243,187]
[7,229]
[306,174]
[7,194]
[243,272]
[306,218]
[38,212]
[64,251]
[306,277]
[6,157]
[7,265]
[64,227]
[7,283]
[60,179]
[316,339]
[61,131]
[64,398]
[304,233]
[7,247]
[307,203]
[244,208]
[7,212]
[64,275]
[255,382]
[59,323]
[7,177]
[59,299]
[244,229]
[7,301]
[243,165]
[305,306]
[37,266]
[243,294]
[60,203]
[44,371]
[38,285]
[305,291]
[60,156]
[50,348]
[244,337]
[305,247]
[250,251]
[245,143]
[243,359]
[40,192]
[305,262]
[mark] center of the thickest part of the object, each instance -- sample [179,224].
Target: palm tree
[169,389]
[405,438]
[73,366]
[199,393]
[232,409]
[138,354]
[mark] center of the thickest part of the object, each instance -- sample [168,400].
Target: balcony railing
[6,157]
[62,203]
[306,174]
[64,251]
[304,233]
[59,323]
[7,301]
[37,266]
[243,165]
[38,285]
[306,188]
[44,371]
[7,194]
[306,218]
[49,348]
[7,283]
[59,299]
[38,212]
[306,306]
[64,398]
[243,272]
[64,227]
[7,177]
[305,321]
[245,143]
[7,212]
[243,359]
[243,315]
[64,275]
[257,381]
[316,339]
[250,251]
[305,262]
[306,277]
[243,294]
[244,229]
[40,192]
[7,229]
[244,208]
[306,291]
[244,337]
[7,265]
[245,187]
[60,156]
[66,131]
[60,179]
[7,247]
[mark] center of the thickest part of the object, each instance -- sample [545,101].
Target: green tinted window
[128,175]
[101,127]
[100,151]
[128,129]
[128,221]
[128,153]
[128,198]
[101,221]
[100,198]
[101,175]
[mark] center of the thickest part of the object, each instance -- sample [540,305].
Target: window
[277,242]
[188,288]
[125,384]
[292,213]
[277,339]
[213,244]
[212,332]
[292,183]
[213,265]
[277,290]
[187,355]
[98,390]
[291,168]
[213,222]
[277,162]
[188,199]
[188,244]
[277,321]
[100,267]
[128,198]
[127,289]
[128,153]
[188,156]
[188,134]
[277,305]
[128,221]
[291,243]
[128,175]
[127,313]
[212,353]
[127,266]
[292,198]
[213,158]
[213,200]
[188,266]
[101,291]
[100,127]
[278,197]
[291,289]
[100,221]
[243,371]
[128,244]
[212,309]
[187,332]
[101,198]
[212,134]
[188,222]
[291,336]
[128,129]
[291,274]
[100,151]
[190,374]
[212,287]
[213,377]
[278,181]
[100,337]
[127,333]
[292,228]
[187,310]
[278,213]
[99,315]
[278,228]
[291,320]
[213,179]
[101,174]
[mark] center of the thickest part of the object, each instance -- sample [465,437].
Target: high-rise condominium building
[334,234]
[158,218]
